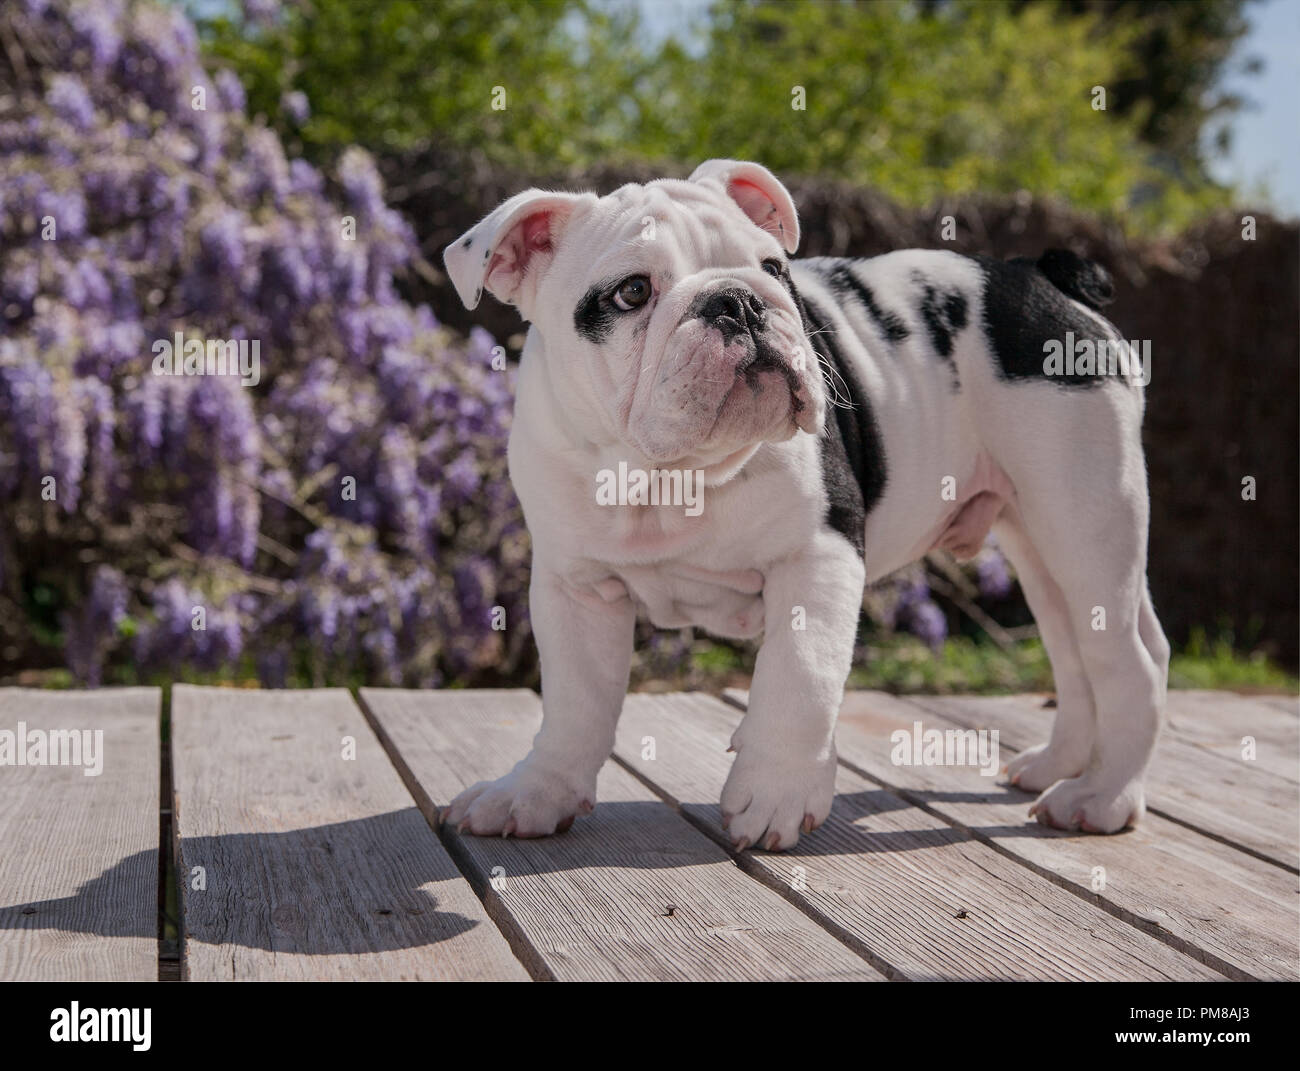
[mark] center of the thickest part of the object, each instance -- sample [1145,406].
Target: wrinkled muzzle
[736,370]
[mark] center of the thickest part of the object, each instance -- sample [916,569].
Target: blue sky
[1266,134]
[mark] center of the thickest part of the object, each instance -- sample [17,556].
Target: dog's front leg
[586,649]
[783,779]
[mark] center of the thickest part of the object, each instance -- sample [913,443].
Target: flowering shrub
[347,516]
[344,514]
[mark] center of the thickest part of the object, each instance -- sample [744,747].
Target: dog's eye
[773,267]
[631,293]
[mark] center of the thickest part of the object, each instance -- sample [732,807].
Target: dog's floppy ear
[760,196]
[507,251]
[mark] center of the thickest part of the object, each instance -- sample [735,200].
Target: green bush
[917,99]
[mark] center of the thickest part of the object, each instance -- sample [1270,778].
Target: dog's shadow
[377,883]
[369,885]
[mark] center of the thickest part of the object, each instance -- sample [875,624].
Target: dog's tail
[1081,279]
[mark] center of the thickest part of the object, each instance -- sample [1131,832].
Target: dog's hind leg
[1067,752]
[1153,638]
[1086,514]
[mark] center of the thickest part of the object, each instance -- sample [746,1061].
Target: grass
[1204,663]
[902,664]
[897,663]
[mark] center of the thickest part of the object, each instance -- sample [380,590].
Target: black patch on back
[593,318]
[945,314]
[1082,279]
[1023,311]
[844,282]
[852,452]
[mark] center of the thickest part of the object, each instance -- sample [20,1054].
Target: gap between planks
[1239,923]
[631,892]
[317,864]
[1188,781]
[927,898]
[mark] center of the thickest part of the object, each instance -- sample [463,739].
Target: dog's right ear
[509,250]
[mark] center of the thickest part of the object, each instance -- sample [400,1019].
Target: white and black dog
[825,404]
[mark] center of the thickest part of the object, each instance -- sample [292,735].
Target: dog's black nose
[734,310]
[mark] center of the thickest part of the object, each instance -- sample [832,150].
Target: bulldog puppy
[821,408]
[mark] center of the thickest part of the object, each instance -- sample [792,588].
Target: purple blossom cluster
[916,611]
[346,517]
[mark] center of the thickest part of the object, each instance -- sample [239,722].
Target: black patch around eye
[844,282]
[468,242]
[593,318]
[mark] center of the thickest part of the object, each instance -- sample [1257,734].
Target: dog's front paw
[1091,804]
[527,802]
[1040,767]
[767,801]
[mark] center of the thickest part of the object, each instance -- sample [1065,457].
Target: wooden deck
[300,828]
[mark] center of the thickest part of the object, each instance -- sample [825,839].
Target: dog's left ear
[759,194]
[508,250]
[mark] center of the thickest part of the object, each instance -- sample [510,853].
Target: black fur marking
[853,454]
[1082,279]
[593,318]
[945,314]
[844,282]
[1023,311]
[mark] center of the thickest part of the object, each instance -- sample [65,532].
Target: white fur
[1061,473]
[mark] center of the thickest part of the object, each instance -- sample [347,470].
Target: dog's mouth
[763,371]
[730,382]
[764,356]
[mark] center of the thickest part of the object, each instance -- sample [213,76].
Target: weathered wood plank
[79,854]
[924,898]
[1222,795]
[1228,908]
[630,892]
[1288,704]
[1219,722]
[317,866]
